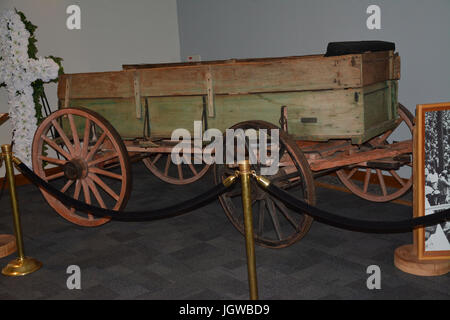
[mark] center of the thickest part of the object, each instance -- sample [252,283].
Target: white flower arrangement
[17,72]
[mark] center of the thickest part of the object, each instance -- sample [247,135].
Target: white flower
[18,71]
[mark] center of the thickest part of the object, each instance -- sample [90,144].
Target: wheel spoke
[55,176]
[191,166]
[63,136]
[53,160]
[87,128]
[105,173]
[276,223]
[157,157]
[104,186]
[97,195]
[261,216]
[96,146]
[352,173]
[87,196]
[180,171]
[285,213]
[381,180]
[55,147]
[166,169]
[397,177]
[76,194]
[67,185]
[367,179]
[388,133]
[109,156]
[77,191]
[76,140]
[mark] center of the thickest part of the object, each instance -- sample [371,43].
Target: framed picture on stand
[432,170]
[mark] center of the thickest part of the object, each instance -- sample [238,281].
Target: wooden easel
[7,241]
[406,257]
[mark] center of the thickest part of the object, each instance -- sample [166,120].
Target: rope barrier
[350,223]
[158,214]
[189,205]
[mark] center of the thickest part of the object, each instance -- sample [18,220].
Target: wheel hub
[75,169]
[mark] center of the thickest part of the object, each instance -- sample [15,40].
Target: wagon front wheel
[77,142]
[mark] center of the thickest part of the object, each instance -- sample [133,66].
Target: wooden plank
[170,113]
[166,114]
[338,114]
[120,113]
[376,104]
[67,92]
[231,77]
[213,62]
[117,84]
[137,95]
[306,73]
[380,108]
[291,75]
[378,66]
[344,159]
[397,67]
[210,93]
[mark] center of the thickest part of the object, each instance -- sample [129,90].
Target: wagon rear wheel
[161,165]
[275,225]
[374,186]
[78,142]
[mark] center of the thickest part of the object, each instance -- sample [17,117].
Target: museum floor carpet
[201,256]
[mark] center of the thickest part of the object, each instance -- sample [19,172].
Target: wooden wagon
[336,114]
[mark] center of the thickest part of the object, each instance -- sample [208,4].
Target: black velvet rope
[356,224]
[158,214]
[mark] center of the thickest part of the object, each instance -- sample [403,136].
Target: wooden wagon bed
[343,97]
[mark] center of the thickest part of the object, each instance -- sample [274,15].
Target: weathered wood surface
[235,77]
[336,114]
[343,97]
[341,160]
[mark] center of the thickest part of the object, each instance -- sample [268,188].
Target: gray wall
[219,29]
[113,32]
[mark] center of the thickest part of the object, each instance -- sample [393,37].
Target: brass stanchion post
[244,168]
[22,265]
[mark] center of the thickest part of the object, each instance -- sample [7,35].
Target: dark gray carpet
[201,255]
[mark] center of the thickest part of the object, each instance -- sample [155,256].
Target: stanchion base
[21,267]
[7,245]
[405,259]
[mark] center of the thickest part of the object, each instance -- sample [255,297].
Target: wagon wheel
[85,141]
[374,187]
[275,225]
[161,165]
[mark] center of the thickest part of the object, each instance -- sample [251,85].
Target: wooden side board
[358,114]
[236,77]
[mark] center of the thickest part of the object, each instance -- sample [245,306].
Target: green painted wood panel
[380,108]
[337,113]
[358,114]
[165,113]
